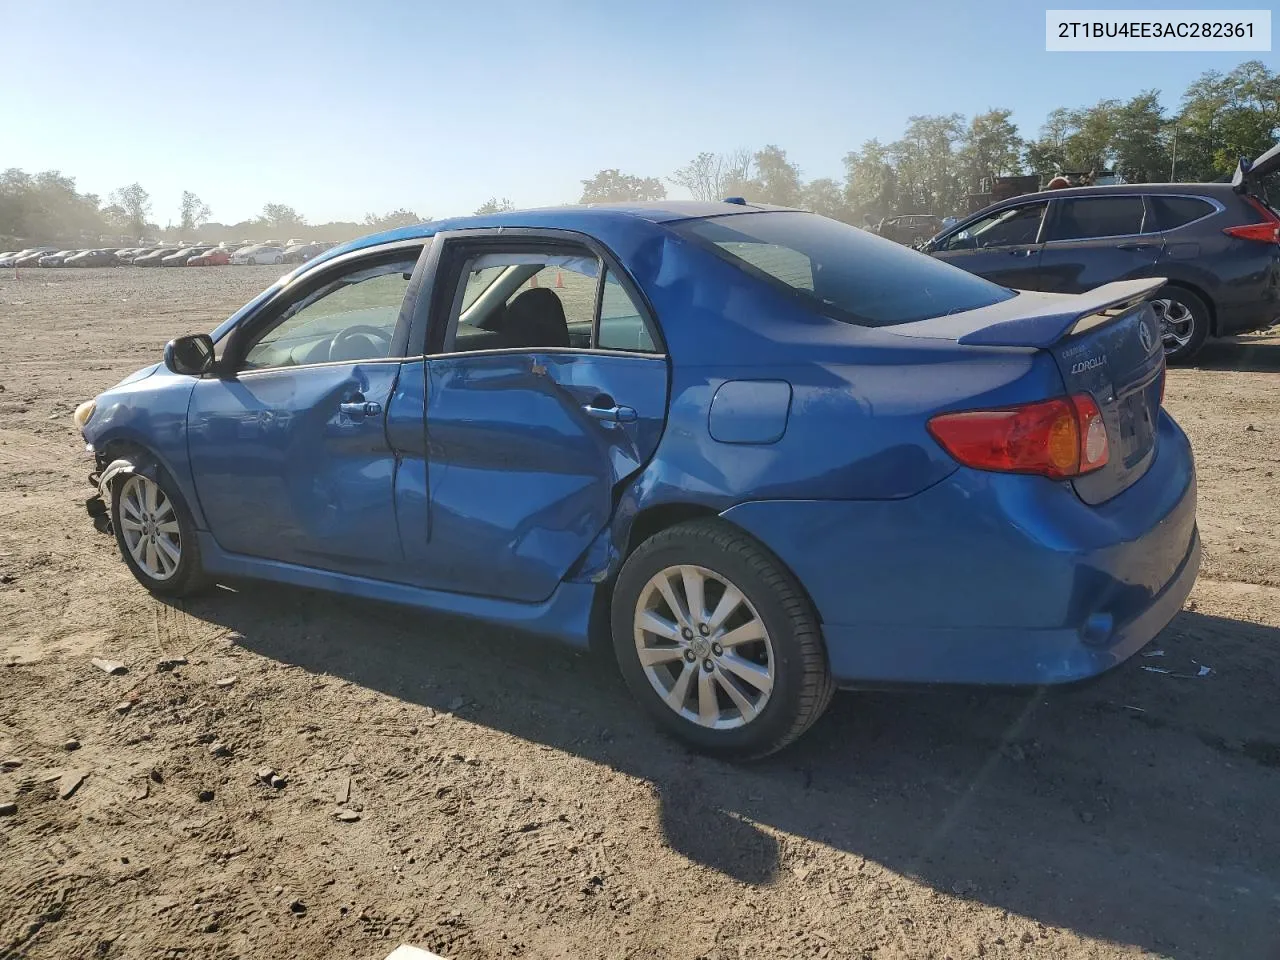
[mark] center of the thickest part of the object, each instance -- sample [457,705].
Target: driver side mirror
[190,356]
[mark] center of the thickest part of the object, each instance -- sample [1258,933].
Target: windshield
[847,273]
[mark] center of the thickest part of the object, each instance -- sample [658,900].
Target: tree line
[939,165]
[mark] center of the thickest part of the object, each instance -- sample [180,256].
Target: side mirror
[190,356]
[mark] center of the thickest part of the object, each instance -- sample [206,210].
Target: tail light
[1060,438]
[1266,232]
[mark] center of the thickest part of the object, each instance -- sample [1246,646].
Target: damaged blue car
[760,453]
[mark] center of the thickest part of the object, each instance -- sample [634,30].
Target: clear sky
[341,109]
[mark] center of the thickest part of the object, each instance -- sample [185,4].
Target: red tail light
[1266,232]
[1059,438]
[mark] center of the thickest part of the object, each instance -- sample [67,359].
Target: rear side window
[1173,212]
[846,273]
[1087,218]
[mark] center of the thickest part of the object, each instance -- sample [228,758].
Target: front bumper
[992,578]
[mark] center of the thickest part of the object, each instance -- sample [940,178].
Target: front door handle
[1021,253]
[615,414]
[358,407]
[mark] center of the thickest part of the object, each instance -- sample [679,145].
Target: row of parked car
[198,255]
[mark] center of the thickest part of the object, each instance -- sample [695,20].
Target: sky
[340,109]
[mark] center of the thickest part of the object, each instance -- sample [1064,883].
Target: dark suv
[1217,243]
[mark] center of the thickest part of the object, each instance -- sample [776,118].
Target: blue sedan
[760,453]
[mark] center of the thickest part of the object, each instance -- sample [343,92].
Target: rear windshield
[846,273]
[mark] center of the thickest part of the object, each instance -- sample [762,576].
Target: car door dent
[522,479]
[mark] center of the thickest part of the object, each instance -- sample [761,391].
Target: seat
[535,319]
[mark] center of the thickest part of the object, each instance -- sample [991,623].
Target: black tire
[802,685]
[1175,300]
[189,577]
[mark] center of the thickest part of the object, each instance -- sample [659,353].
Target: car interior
[506,300]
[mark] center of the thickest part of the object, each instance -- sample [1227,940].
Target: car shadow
[1246,354]
[1138,808]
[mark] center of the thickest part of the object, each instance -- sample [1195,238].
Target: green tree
[776,179]
[1047,155]
[613,186]
[870,183]
[1140,142]
[1226,117]
[494,205]
[928,169]
[1089,145]
[714,176]
[989,148]
[281,218]
[194,212]
[136,204]
[402,217]
[825,197]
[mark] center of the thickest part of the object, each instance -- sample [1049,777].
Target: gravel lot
[510,800]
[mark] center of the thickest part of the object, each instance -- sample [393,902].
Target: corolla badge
[1145,337]
[1084,366]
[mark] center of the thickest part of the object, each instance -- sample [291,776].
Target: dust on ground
[503,798]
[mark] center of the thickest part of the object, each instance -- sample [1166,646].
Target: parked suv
[1217,243]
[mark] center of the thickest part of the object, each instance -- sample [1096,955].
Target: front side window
[845,273]
[546,297]
[1088,218]
[1013,226]
[351,317]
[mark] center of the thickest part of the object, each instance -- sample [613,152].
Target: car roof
[1112,189]
[583,218]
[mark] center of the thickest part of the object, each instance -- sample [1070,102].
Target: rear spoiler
[1088,309]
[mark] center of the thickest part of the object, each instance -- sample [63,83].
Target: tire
[1184,323]
[790,655]
[155,568]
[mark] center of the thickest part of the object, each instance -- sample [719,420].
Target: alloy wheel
[1177,323]
[149,526]
[703,647]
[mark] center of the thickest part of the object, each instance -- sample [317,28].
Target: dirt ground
[513,803]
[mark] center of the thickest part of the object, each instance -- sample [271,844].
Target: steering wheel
[347,334]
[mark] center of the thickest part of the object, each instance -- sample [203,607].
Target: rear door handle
[615,414]
[1021,253]
[1135,246]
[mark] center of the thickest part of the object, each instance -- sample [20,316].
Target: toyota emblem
[1145,337]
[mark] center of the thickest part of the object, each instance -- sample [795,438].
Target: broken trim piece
[121,467]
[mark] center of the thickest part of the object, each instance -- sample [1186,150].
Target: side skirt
[564,616]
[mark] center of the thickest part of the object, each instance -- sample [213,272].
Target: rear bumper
[1245,317]
[1000,655]
[992,579]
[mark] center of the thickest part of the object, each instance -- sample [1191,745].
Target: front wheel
[1184,323]
[718,642]
[156,535]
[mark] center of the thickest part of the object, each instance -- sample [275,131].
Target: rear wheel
[718,642]
[1184,323]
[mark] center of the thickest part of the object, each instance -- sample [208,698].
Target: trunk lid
[1249,177]
[1105,342]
